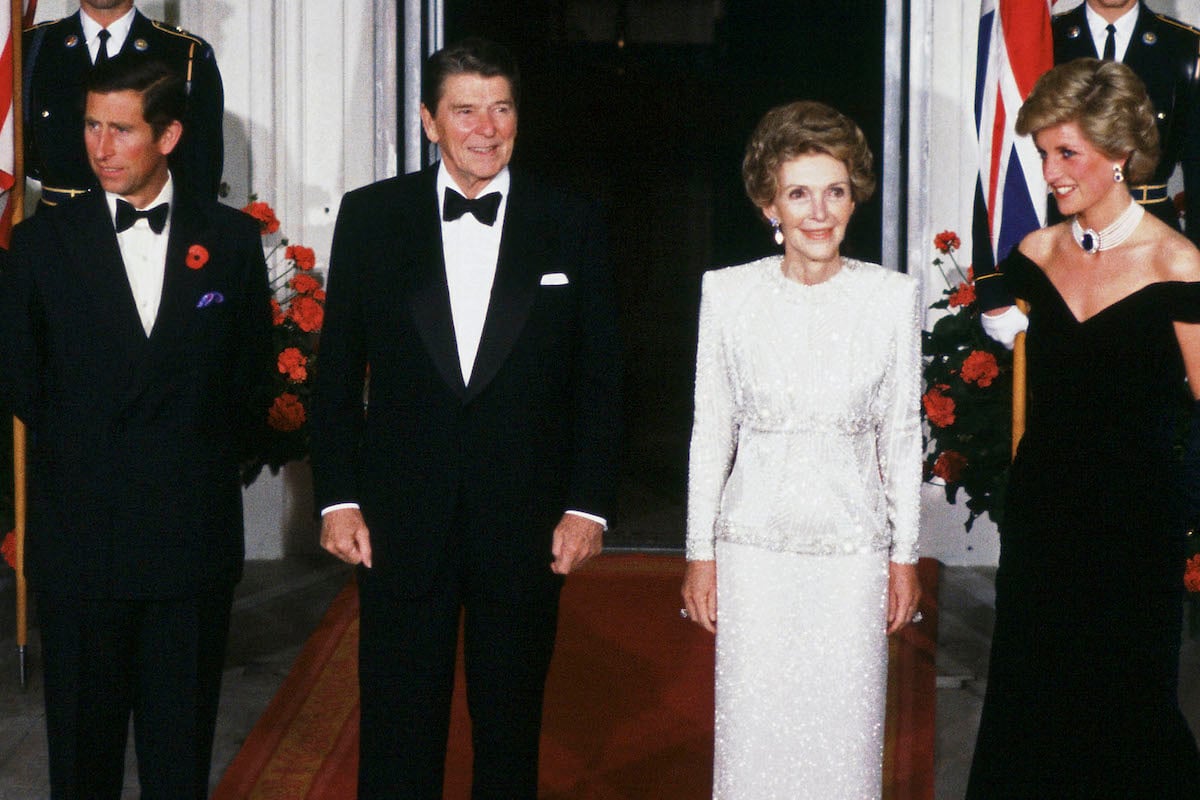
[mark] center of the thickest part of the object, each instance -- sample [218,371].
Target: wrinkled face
[475,125]
[123,151]
[813,204]
[1077,172]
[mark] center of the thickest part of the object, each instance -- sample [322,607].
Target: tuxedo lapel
[429,294]
[515,286]
[89,236]
[180,283]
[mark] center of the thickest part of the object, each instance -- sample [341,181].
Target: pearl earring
[778,233]
[1118,175]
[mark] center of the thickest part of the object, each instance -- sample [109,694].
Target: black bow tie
[484,208]
[127,215]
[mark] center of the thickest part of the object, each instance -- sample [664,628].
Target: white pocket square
[554,279]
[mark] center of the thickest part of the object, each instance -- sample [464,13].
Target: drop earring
[1118,175]
[778,236]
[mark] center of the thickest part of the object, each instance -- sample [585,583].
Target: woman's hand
[904,595]
[700,594]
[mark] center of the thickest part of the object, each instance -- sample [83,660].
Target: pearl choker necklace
[1112,236]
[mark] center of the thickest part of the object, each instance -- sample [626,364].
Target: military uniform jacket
[56,68]
[1163,52]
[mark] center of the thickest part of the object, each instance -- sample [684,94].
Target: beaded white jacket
[807,435]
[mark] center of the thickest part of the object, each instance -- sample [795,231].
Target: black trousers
[407,652]
[159,660]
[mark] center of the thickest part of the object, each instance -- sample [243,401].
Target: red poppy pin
[197,256]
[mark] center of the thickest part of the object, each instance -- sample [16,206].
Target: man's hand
[344,533]
[700,594]
[576,539]
[904,595]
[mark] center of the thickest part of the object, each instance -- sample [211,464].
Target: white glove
[1004,327]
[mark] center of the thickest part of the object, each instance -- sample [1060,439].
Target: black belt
[53,195]
[1149,194]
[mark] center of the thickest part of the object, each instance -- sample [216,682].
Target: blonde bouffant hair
[802,128]
[1108,102]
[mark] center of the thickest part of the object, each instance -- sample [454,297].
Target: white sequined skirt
[801,680]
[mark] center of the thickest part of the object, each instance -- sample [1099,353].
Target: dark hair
[472,55]
[164,97]
[1109,103]
[801,128]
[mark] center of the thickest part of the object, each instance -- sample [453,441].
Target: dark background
[646,107]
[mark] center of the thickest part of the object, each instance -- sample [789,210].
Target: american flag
[1015,48]
[10,119]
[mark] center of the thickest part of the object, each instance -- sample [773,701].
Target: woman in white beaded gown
[804,476]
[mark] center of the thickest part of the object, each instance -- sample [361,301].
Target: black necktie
[127,215]
[102,53]
[1110,44]
[454,205]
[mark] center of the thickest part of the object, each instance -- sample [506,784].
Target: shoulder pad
[175,30]
[46,23]
[1177,24]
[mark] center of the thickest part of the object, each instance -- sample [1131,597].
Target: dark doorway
[646,106]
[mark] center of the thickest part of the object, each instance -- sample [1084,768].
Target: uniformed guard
[58,57]
[1163,52]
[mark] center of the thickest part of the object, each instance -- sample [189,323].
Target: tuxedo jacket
[135,441]
[56,69]
[1163,52]
[473,474]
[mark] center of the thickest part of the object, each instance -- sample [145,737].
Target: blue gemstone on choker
[1088,243]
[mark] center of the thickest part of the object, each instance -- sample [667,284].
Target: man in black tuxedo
[1163,52]
[476,308]
[58,56]
[134,325]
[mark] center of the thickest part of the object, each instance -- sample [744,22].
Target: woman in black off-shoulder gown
[1082,688]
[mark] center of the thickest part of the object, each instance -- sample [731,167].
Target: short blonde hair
[1109,103]
[801,128]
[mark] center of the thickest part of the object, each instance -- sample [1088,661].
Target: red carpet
[628,702]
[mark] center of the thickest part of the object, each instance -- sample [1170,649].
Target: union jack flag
[9,119]
[1015,47]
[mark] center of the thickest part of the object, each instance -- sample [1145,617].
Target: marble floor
[279,603]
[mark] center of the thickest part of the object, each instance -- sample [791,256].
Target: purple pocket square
[210,299]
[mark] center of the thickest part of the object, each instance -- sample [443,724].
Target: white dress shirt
[1098,25]
[471,250]
[145,255]
[118,32]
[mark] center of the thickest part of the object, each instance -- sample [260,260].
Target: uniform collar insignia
[1149,37]
[71,41]
[1073,32]
[141,45]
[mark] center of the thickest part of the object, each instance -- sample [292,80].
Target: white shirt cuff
[337,507]
[603,522]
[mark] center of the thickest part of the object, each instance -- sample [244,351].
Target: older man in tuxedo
[475,307]
[134,325]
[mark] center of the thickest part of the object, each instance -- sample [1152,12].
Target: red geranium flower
[939,409]
[305,284]
[197,256]
[980,368]
[964,295]
[267,221]
[292,362]
[1191,576]
[304,257]
[946,242]
[9,549]
[307,313]
[287,413]
[949,465]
